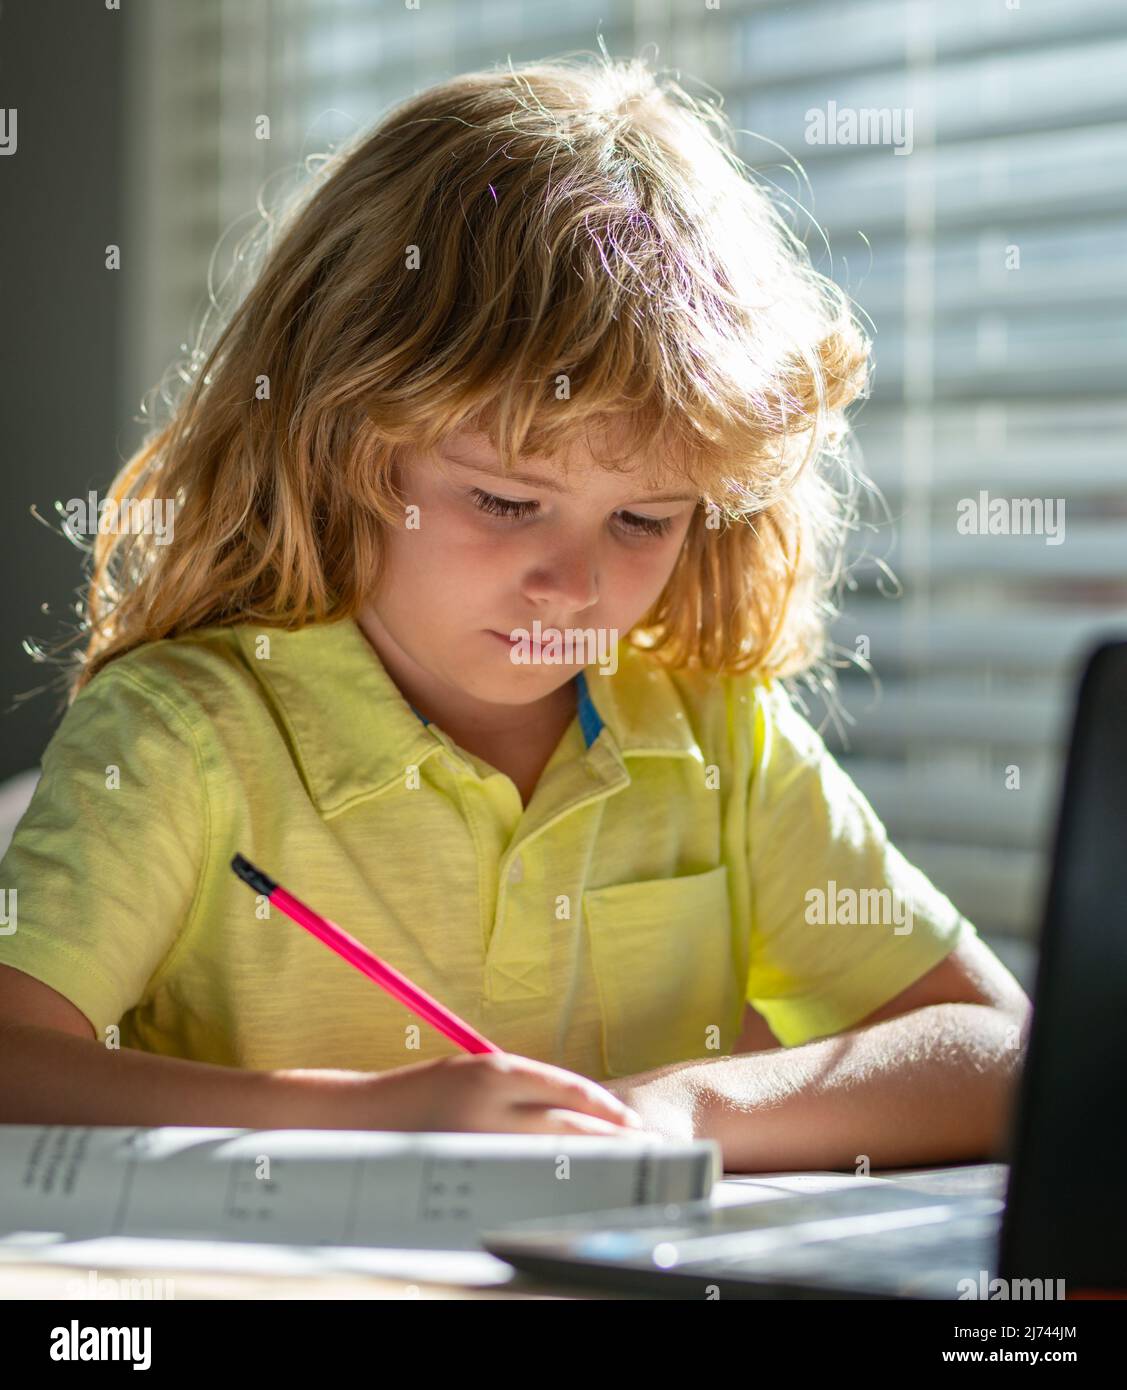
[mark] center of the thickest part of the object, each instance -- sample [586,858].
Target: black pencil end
[255,877]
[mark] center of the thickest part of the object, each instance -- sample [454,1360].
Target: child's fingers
[540,1081]
[551,1120]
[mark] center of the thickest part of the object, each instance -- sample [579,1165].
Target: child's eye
[500,506]
[505,506]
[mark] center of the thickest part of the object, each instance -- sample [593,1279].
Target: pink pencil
[397,985]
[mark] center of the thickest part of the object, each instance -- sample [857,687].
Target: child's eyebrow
[552,486]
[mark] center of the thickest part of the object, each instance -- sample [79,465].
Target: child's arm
[48,1077]
[928,1077]
[932,1086]
[53,1070]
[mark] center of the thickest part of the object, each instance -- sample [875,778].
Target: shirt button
[516,870]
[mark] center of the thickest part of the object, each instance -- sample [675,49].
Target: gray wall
[61,67]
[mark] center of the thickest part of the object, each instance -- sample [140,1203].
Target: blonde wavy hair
[591,253]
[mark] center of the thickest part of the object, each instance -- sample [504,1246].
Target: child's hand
[488,1092]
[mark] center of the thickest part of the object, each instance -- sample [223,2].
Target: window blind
[990,260]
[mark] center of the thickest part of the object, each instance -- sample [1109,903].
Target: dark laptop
[1058,1217]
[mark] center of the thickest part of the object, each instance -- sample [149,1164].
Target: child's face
[594,556]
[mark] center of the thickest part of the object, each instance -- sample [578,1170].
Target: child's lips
[511,642]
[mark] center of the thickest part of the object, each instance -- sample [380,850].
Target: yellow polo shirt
[670,864]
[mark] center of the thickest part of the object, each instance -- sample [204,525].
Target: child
[500,513]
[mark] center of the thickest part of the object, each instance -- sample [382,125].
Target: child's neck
[517,740]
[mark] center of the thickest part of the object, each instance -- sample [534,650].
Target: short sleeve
[105,862]
[841,921]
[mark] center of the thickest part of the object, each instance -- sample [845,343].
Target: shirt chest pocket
[662,956]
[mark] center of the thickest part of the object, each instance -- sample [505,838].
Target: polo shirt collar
[354,734]
[589,721]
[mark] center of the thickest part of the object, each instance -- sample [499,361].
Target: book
[337,1189]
